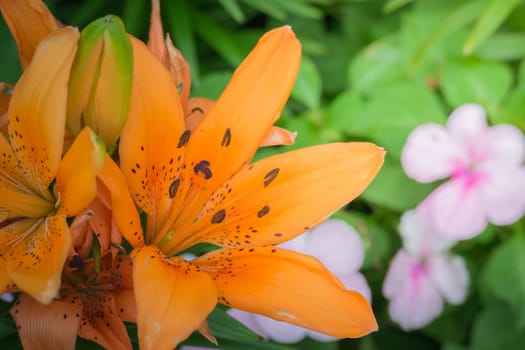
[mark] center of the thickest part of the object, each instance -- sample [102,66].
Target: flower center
[467,176]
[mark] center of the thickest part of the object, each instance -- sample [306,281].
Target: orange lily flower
[34,236]
[29,22]
[92,305]
[195,108]
[93,301]
[5,97]
[198,186]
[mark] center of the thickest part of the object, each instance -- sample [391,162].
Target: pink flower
[340,248]
[485,167]
[423,275]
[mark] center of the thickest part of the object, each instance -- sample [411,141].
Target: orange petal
[198,107]
[173,298]
[169,55]
[124,210]
[82,234]
[180,72]
[279,197]
[101,224]
[290,287]
[23,204]
[12,181]
[279,136]
[38,108]
[37,250]
[47,327]
[156,34]
[151,145]
[5,97]
[29,22]
[125,301]
[76,177]
[244,113]
[125,297]
[5,279]
[101,323]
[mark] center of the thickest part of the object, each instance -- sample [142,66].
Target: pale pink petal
[356,281]
[468,126]
[430,153]
[297,244]
[7,297]
[505,144]
[337,245]
[398,273]
[503,192]
[319,336]
[419,238]
[416,301]
[455,210]
[249,320]
[450,275]
[279,331]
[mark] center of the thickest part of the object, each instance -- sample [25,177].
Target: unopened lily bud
[100,83]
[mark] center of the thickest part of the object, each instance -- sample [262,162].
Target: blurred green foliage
[372,70]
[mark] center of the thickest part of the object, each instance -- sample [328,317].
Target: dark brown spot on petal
[278,234]
[218,217]
[184,138]
[203,167]
[264,210]
[226,139]
[174,187]
[270,176]
[197,109]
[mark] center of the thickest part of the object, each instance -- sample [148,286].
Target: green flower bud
[100,82]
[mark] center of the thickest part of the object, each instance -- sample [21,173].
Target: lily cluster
[109,171]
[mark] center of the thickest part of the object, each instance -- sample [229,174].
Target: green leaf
[452,346]
[179,23]
[504,275]
[220,40]
[300,8]
[461,16]
[272,9]
[491,18]
[393,112]
[344,108]
[502,47]
[393,189]
[307,88]
[231,334]
[133,15]
[495,328]
[513,110]
[212,85]
[392,5]
[233,9]
[378,65]
[9,66]
[9,334]
[473,80]
[224,326]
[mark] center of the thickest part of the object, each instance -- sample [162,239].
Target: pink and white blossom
[423,275]
[485,169]
[340,248]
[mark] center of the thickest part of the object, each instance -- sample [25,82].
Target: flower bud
[100,83]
